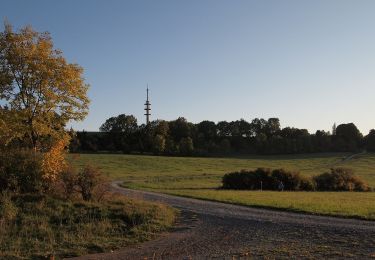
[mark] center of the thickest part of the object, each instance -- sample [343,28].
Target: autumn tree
[39,90]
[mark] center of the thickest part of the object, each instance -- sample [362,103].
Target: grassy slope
[199,177]
[35,226]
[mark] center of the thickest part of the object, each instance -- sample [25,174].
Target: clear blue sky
[310,63]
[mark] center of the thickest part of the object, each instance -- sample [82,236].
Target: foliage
[266,179]
[159,144]
[370,141]
[347,137]
[39,90]
[21,171]
[186,146]
[120,123]
[87,180]
[68,179]
[36,226]
[340,179]
[260,136]
[53,162]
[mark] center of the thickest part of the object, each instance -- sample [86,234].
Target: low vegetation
[72,215]
[36,226]
[267,179]
[202,178]
[339,179]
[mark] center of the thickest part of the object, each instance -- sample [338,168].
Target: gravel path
[223,231]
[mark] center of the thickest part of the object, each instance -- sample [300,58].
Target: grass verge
[35,226]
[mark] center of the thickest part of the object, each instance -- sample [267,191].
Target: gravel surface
[208,229]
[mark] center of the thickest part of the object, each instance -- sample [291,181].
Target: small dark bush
[68,179]
[340,179]
[266,179]
[21,171]
[251,180]
[292,180]
[88,181]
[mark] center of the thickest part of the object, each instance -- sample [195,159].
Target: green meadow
[201,178]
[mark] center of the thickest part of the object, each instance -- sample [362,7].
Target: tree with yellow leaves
[40,92]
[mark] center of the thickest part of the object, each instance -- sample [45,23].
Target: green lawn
[200,178]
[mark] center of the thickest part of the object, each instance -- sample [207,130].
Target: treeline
[180,137]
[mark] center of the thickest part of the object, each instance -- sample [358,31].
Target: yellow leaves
[54,161]
[42,90]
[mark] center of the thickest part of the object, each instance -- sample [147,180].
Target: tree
[334,127]
[348,137]
[120,124]
[39,90]
[370,141]
[159,144]
[258,126]
[223,128]
[272,126]
[186,146]
[180,128]
[161,128]
[207,129]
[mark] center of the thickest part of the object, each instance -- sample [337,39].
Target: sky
[310,63]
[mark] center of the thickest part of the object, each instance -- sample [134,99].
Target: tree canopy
[40,92]
[181,137]
[120,124]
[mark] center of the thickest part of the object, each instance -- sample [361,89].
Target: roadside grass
[345,204]
[36,226]
[201,178]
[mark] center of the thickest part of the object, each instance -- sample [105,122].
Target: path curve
[218,230]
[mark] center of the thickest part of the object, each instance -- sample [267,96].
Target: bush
[21,171]
[340,179]
[292,180]
[68,178]
[251,180]
[266,179]
[88,181]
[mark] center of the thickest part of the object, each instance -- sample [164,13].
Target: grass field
[200,178]
[36,226]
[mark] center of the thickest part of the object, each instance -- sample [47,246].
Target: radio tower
[147,109]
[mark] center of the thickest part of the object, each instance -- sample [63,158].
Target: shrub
[340,179]
[292,180]
[89,180]
[53,161]
[307,184]
[21,171]
[266,179]
[68,179]
[251,180]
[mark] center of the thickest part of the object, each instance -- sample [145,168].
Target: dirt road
[223,231]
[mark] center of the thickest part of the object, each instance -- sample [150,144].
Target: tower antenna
[147,108]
